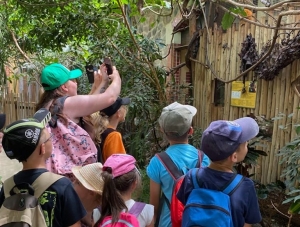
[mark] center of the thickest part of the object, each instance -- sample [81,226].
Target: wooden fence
[16,106]
[273,97]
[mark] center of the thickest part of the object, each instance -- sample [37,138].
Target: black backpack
[100,146]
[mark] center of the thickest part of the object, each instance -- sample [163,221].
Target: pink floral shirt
[72,146]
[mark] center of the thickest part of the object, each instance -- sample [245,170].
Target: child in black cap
[111,139]
[29,142]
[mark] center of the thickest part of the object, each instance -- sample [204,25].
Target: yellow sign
[243,95]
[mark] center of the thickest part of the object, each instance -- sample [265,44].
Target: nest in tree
[282,55]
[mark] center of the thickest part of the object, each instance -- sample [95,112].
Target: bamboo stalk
[294,99]
[234,66]
[275,140]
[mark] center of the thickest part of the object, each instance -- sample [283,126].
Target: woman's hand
[115,74]
[103,72]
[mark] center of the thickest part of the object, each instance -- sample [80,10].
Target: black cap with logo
[22,137]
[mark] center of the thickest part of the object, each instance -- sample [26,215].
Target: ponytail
[112,201]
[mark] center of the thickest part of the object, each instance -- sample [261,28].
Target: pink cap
[120,164]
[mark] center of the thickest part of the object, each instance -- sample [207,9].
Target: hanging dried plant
[282,55]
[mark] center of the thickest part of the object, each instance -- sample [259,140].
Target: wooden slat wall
[16,106]
[273,97]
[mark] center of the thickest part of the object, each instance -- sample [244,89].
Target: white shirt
[146,216]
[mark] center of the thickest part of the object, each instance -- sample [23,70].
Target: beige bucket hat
[90,176]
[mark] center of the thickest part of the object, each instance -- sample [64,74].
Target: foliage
[263,191]
[195,139]
[290,154]
[251,157]
[228,18]
[83,32]
[143,194]
[89,29]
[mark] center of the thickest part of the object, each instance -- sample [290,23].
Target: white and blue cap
[22,137]
[222,138]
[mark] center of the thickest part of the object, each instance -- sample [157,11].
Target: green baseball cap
[56,74]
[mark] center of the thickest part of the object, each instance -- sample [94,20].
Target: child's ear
[42,149]
[191,131]
[119,113]
[234,157]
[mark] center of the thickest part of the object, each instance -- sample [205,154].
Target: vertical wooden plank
[223,71]
[293,99]
[202,76]
[234,66]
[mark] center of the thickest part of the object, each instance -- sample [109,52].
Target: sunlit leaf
[227,20]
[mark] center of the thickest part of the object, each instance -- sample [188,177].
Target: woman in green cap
[72,145]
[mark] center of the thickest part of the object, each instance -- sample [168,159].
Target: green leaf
[298,130]
[152,24]
[227,20]
[239,10]
[143,19]
[287,200]
[294,208]
[260,152]
[262,196]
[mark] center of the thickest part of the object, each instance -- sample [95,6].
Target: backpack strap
[174,173]
[169,165]
[104,135]
[44,181]
[200,158]
[137,208]
[8,185]
[229,187]
[194,177]
[100,146]
[234,183]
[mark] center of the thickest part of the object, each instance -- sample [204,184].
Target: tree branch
[279,210]
[160,13]
[205,20]
[18,46]
[127,25]
[256,23]
[169,47]
[121,54]
[23,53]
[176,68]
[260,8]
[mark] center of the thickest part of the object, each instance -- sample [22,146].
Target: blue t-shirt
[60,202]
[244,203]
[185,157]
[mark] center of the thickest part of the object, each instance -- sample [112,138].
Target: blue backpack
[209,208]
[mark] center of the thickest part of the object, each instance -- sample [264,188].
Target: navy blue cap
[222,138]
